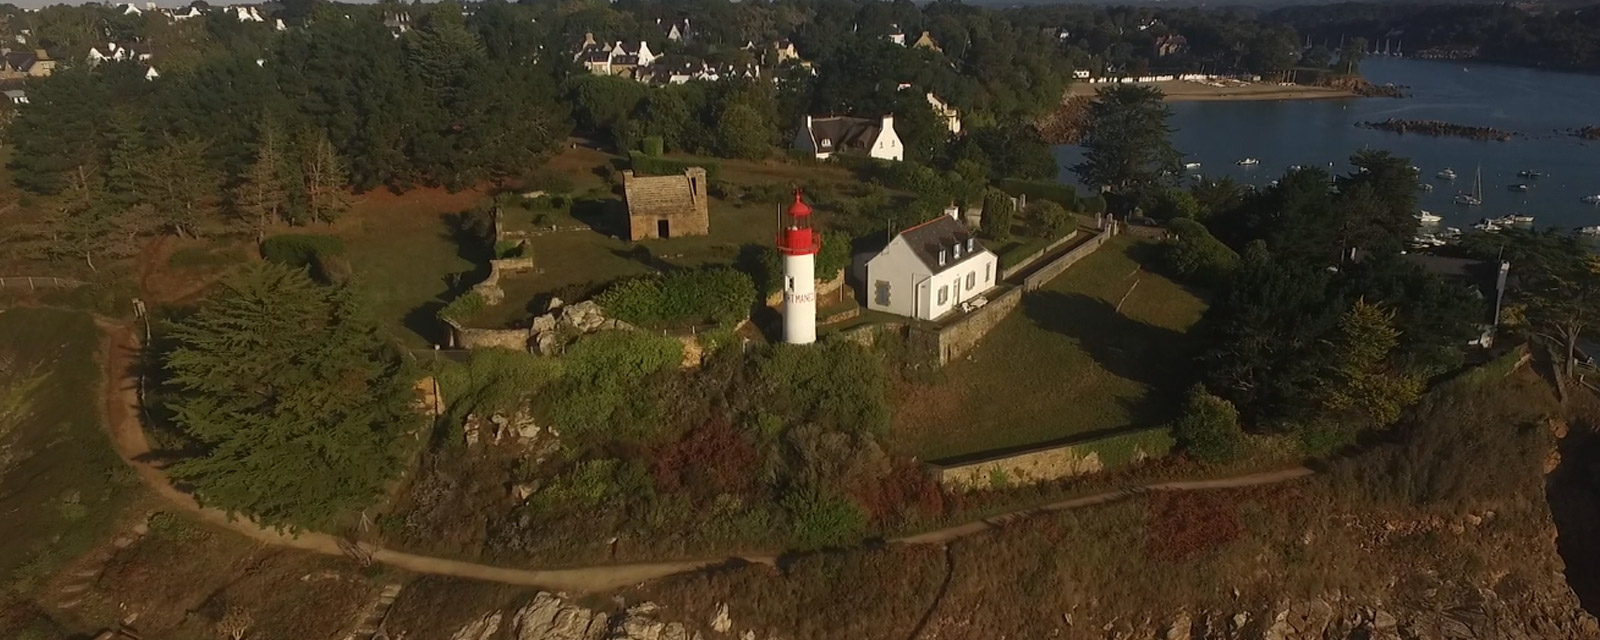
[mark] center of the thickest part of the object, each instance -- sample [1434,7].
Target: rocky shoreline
[1587,133]
[1439,128]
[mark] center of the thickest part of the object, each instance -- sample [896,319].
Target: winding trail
[123,422]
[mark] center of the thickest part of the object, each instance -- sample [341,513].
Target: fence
[33,283]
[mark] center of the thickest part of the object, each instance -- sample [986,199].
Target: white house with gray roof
[823,137]
[930,270]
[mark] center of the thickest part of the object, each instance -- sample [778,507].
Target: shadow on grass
[1159,358]
[472,238]
[607,217]
[1573,491]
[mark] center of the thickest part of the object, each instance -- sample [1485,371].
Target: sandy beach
[1186,91]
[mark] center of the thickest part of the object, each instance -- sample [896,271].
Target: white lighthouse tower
[799,243]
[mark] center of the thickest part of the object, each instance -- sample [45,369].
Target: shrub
[1194,254]
[837,384]
[493,380]
[819,519]
[332,269]
[463,307]
[604,394]
[652,145]
[1209,428]
[1051,219]
[1464,444]
[1174,203]
[1094,205]
[647,165]
[684,297]
[712,459]
[300,249]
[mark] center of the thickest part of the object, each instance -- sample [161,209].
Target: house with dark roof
[1170,45]
[825,136]
[1484,278]
[931,270]
[25,64]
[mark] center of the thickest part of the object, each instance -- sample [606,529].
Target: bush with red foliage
[712,459]
[905,493]
[1183,525]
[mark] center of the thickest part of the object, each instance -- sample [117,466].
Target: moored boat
[1447,174]
[1191,165]
[1530,174]
[1594,199]
[1428,218]
[1517,187]
[1248,162]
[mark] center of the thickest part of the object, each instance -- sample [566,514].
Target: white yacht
[1248,162]
[1191,165]
[1594,199]
[1428,218]
[1446,175]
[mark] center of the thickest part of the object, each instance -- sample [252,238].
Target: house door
[662,229]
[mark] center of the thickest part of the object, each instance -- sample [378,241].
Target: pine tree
[291,393]
[86,225]
[1360,378]
[324,177]
[260,197]
[177,180]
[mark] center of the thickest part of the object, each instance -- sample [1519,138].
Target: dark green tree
[294,398]
[1127,147]
[998,212]
[1209,427]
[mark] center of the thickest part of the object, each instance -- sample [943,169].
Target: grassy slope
[404,252]
[1066,363]
[63,485]
[1143,561]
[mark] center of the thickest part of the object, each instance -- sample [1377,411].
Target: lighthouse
[798,243]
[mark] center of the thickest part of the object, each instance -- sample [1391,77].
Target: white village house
[930,270]
[950,115]
[823,137]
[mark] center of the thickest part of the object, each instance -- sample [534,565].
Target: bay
[1540,105]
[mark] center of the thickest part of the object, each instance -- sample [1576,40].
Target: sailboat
[1476,197]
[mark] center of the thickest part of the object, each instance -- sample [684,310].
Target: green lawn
[1065,363]
[63,484]
[405,254]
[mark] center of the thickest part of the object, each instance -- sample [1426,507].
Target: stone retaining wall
[824,287]
[959,336]
[1055,267]
[1034,257]
[1054,462]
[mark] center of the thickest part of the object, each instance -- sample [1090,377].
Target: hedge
[656,166]
[300,249]
[653,146]
[1065,195]
[681,298]
[463,307]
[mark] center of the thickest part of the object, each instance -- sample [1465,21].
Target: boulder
[483,628]
[721,622]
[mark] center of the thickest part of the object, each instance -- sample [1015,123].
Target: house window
[972,280]
[788,283]
[944,295]
[988,273]
[880,293]
[827,144]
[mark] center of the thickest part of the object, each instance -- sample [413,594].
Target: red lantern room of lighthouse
[799,243]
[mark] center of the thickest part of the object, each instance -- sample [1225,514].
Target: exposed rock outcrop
[549,617]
